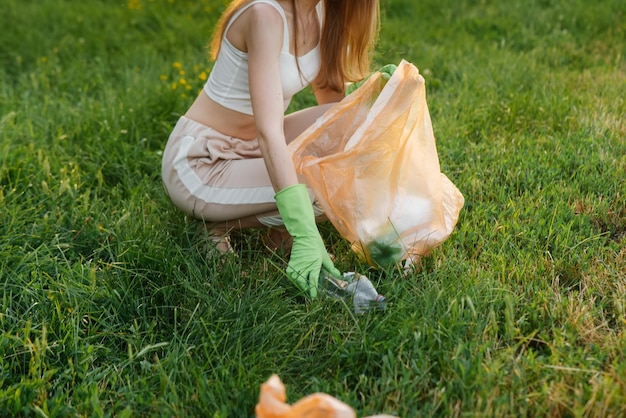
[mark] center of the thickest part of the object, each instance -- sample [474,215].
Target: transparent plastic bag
[372,163]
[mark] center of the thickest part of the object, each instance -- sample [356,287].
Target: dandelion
[177,65]
[163,77]
[134,4]
[203,76]
[44,59]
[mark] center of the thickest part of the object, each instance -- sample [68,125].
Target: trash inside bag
[356,288]
[273,404]
[372,163]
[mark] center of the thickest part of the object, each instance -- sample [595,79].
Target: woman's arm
[264,43]
[308,254]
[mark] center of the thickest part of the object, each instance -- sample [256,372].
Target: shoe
[215,239]
[221,243]
[278,240]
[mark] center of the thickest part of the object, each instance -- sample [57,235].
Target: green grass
[111,308]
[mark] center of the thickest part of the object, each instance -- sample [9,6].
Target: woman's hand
[308,254]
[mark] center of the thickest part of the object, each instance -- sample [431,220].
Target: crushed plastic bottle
[355,287]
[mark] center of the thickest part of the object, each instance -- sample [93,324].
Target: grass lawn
[110,306]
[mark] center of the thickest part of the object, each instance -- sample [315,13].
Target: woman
[226,161]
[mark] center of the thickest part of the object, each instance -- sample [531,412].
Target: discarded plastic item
[371,161]
[411,265]
[273,398]
[356,287]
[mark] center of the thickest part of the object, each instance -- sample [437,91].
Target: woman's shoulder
[264,9]
[255,20]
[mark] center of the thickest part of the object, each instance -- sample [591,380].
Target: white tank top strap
[277,7]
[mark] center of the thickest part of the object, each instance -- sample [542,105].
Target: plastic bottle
[355,287]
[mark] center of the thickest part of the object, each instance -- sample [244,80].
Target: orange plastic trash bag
[273,398]
[372,163]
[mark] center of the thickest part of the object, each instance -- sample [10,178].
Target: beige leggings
[220,179]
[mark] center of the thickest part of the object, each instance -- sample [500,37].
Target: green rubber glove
[308,253]
[386,70]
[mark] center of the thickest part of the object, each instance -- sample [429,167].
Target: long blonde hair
[347,41]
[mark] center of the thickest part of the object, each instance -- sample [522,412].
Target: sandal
[278,240]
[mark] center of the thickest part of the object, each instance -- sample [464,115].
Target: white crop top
[228,81]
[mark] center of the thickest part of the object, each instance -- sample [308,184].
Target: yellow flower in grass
[134,4]
[176,81]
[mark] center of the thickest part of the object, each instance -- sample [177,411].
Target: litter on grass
[273,404]
[356,288]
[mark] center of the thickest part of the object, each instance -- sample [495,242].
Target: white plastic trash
[356,287]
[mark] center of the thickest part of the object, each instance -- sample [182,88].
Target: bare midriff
[229,122]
